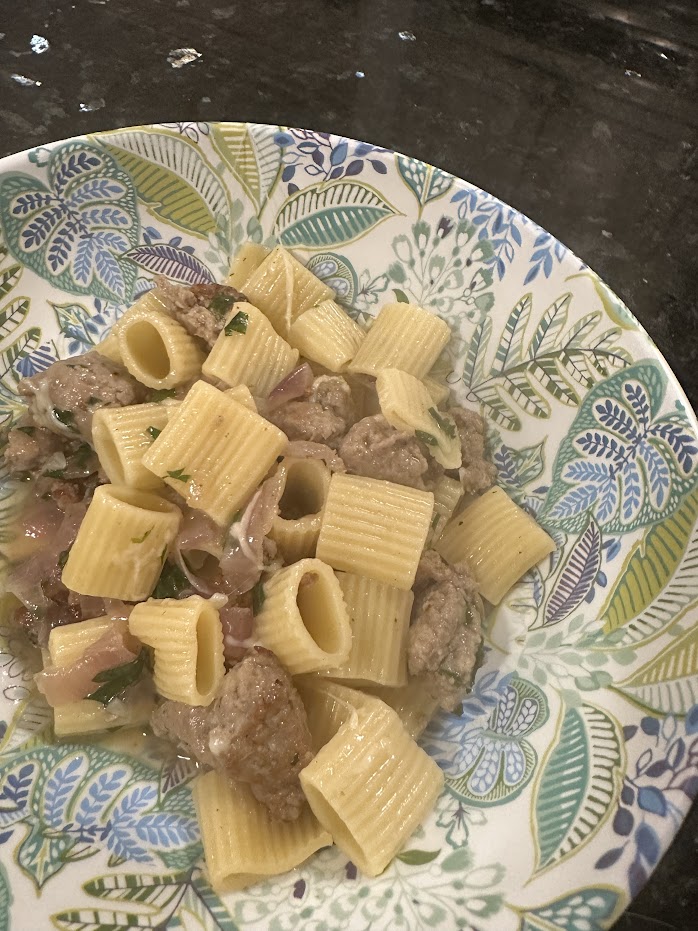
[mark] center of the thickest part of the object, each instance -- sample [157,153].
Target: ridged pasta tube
[303,618]
[297,525]
[447,494]
[157,350]
[412,703]
[121,436]
[249,256]
[330,704]
[187,640]
[403,336]
[121,544]
[498,540]
[326,334]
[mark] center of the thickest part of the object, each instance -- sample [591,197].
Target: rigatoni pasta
[370,787]
[374,528]
[249,352]
[214,451]
[380,617]
[303,618]
[249,256]
[403,336]
[498,540]
[326,334]
[447,495]
[121,435]
[412,703]
[296,527]
[157,350]
[121,544]
[187,641]
[242,842]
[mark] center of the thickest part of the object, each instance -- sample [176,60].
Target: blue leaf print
[37,361]
[73,166]
[30,202]
[111,239]
[632,490]
[122,842]
[580,470]
[612,415]
[105,216]
[172,262]
[575,501]
[99,795]
[84,259]
[34,234]
[658,473]
[109,271]
[680,440]
[608,500]
[339,153]
[639,402]
[648,843]
[577,576]
[651,799]
[58,790]
[138,799]
[167,830]
[96,189]
[60,246]
[15,790]
[600,445]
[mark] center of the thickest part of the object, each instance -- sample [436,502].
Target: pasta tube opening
[313,594]
[207,636]
[304,494]
[148,349]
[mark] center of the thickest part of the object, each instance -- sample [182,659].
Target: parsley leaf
[444,424]
[30,431]
[221,304]
[117,679]
[93,399]
[162,394]
[143,538]
[435,520]
[426,438]
[67,418]
[82,455]
[179,474]
[153,432]
[172,582]
[238,324]
[63,558]
[258,597]
[54,473]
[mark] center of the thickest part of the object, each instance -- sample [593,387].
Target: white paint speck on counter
[179,57]
[38,45]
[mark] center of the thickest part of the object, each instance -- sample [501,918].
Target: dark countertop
[581,113]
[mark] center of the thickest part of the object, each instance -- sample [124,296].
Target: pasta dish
[265,531]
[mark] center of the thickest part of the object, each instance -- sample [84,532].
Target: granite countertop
[581,113]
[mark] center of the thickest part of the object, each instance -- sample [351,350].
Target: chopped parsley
[63,558]
[54,473]
[178,474]
[258,597]
[221,304]
[67,418]
[453,676]
[82,455]
[444,423]
[238,324]
[143,538]
[435,520]
[295,760]
[117,679]
[172,582]
[153,432]
[162,394]
[427,438]
[92,400]
[30,431]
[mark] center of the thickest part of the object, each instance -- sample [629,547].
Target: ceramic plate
[576,756]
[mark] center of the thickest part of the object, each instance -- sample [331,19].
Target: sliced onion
[296,384]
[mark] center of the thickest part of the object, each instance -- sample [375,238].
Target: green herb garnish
[238,324]
[435,520]
[453,676]
[92,400]
[258,597]
[63,558]
[444,425]
[153,432]
[162,394]
[143,538]
[54,473]
[178,474]
[30,431]
[295,760]
[426,438]
[82,455]
[171,583]
[67,418]
[221,304]
[117,679]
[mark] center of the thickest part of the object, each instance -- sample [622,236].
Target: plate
[576,756]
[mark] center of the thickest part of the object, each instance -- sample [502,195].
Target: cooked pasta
[326,334]
[249,256]
[243,395]
[187,641]
[67,644]
[121,435]
[404,337]
[447,495]
[412,703]
[374,528]
[147,303]
[157,350]
[438,391]
[296,527]
[370,787]
[407,405]
[498,540]
[380,617]
[331,704]
[214,451]
[303,618]
[283,288]
[242,843]
[249,352]
[121,544]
